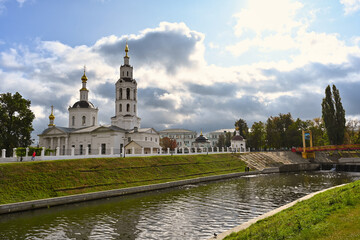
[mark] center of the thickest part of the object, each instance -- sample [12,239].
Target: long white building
[86,136]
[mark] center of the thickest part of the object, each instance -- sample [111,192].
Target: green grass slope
[44,179]
[334,214]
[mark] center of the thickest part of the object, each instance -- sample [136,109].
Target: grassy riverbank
[334,214]
[45,179]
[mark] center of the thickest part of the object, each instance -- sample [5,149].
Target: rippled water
[188,212]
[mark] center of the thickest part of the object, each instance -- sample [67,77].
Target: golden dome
[126,49]
[52,117]
[84,78]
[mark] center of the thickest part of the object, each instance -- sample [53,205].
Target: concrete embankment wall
[299,167]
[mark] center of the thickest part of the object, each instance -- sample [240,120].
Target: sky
[199,64]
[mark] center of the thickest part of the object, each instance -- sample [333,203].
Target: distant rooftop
[224,130]
[176,130]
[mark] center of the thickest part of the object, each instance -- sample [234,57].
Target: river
[187,212]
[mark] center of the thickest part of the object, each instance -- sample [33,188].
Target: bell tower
[126,97]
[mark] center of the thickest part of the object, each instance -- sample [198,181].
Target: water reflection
[187,212]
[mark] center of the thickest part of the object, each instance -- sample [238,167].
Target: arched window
[73,120]
[128,107]
[120,93]
[83,120]
[93,121]
[120,107]
[134,94]
[128,93]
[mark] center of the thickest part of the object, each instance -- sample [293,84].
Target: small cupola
[51,117]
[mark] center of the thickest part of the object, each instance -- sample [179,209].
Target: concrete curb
[49,202]
[268,214]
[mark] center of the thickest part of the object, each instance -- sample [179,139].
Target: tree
[339,116]
[257,135]
[221,141]
[352,132]
[243,127]
[228,137]
[15,122]
[283,132]
[319,134]
[166,143]
[333,115]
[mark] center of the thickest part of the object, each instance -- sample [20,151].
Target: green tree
[339,116]
[221,141]
[228,137]
[333,115]
[283,132]
[352,132]
[15,122]
[319,134]
[257,135]
[243,127]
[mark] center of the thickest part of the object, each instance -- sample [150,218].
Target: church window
[127,73]
[128,93]
[81,149]
[134,94]
[73,120]
[135,108]
[120,93]
[145,138]
[123,73]
[120,107]
[83,120]
[103,148]
[128,107]
[94,121]
[89,148]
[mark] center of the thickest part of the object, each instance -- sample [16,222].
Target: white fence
[109,153]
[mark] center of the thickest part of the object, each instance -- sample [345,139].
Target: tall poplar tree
[333,115]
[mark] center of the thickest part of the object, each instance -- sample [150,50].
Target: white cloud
[274,16]
[177,88]
[21,2]
[282,30]
[350,6]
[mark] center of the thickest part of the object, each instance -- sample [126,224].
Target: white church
[84,136]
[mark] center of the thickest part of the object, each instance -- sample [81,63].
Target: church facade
[84,136]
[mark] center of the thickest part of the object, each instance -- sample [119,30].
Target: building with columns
[85,136]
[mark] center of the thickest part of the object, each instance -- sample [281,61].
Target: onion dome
[51,117]
[84,78]
[126,49]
